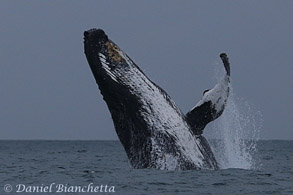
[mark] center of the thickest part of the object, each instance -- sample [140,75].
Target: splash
[237,134]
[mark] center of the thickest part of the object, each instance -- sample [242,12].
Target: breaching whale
[152,129]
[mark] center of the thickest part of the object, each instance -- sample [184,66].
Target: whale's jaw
[151,128]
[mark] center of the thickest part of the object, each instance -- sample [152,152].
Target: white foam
[237,134]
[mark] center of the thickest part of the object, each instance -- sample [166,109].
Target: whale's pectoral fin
[212,104]
[200,116]
[226,62]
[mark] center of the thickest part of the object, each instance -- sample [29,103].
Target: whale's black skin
[151,128]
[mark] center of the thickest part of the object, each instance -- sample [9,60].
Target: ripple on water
[100,162]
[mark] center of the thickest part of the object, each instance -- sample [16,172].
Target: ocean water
[80,163]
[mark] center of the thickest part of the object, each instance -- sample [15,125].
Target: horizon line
[117,139]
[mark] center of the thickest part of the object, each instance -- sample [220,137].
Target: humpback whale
[152,129]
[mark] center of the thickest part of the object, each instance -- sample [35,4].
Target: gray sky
[48,91]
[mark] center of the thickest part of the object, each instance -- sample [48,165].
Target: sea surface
[96,163]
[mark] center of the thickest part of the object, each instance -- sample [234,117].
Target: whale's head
[105,58]
[96,43]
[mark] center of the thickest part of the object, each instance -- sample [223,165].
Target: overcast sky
[48,91]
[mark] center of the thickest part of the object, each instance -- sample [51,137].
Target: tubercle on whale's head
[113,52]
